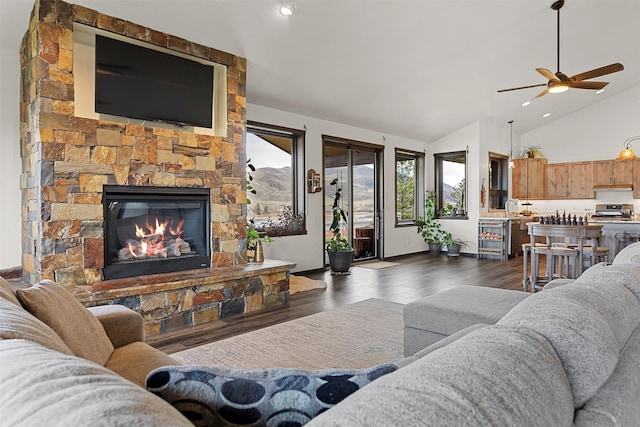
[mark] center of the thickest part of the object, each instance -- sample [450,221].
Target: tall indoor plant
[338,247]
[429,227]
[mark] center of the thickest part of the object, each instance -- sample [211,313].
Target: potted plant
[429,228]
[453,245]
[253,237]
[338,247]
[531,152]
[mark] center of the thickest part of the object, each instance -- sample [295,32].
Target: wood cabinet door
[603,172]
[537,170]
[636,179]
[623,171]
[557,181]
[519,179]
[581,180]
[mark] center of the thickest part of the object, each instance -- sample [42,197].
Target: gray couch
[64,365]
[565,356]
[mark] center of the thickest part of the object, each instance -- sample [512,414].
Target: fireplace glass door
[151,230]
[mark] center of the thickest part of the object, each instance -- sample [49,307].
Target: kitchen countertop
[614,221]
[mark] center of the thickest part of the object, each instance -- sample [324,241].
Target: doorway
[357,168]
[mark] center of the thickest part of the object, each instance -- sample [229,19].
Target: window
[275,179]
[451,184]
[409,187]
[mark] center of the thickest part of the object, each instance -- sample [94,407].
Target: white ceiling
[414,68]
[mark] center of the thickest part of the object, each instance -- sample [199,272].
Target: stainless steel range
[619,212]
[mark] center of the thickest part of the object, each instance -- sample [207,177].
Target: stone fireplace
[75,168]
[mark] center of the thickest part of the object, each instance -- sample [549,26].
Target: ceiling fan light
[559,88]
[288,8]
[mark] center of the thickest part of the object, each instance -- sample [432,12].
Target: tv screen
[141,83]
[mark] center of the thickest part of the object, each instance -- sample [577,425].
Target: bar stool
[595,255]
[624,239]
[526,252]
[561,262]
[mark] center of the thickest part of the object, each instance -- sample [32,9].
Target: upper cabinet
[613,172]
[570,180]
[528,178]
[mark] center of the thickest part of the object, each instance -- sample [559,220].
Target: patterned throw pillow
[209,395]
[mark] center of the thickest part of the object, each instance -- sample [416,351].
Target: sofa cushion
[627,275]
[6,292]
[134,361]
[494,376]
[41,387]
[77,327]
[616,403]
[17,323]
[578,321]
[279,396]
[456,308]
[628,255]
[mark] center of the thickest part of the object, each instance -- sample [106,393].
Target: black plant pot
[340,262]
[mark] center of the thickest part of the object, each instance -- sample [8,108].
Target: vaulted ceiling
[414,68]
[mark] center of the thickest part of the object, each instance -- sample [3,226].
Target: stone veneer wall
[68,159]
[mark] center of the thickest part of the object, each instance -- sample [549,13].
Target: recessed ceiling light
[525,103]
[599,91]
[288,8]
[545,115]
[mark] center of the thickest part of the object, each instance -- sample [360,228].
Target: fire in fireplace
[150,230]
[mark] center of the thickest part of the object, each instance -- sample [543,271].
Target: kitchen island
[611,228]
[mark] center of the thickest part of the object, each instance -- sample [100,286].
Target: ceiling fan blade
[522,87]
[588,85]
[613,68]
[548,74]
[543,93]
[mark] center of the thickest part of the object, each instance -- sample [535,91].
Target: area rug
[377,265]
[302,284]
[355,336]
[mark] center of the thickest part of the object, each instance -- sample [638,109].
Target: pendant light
[628,153]
[511,163]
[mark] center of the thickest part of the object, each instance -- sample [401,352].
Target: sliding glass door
[357,171]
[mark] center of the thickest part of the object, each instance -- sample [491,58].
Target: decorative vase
[259,256]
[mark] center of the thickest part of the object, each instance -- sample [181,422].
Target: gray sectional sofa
[562,357]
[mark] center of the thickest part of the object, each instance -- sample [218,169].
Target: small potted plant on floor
[453,245]
[428,226]
[338,247]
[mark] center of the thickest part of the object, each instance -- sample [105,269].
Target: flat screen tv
[137,82]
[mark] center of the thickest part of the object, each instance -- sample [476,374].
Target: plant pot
[453,249]
[435,248]
[340,262]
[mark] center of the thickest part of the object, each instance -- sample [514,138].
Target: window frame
[439,158]
[419,187]
[298,138]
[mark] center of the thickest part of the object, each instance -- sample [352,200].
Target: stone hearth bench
[438,316]
[173,301]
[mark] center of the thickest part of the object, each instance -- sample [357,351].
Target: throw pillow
[80,330]
[6,292]
[209,395]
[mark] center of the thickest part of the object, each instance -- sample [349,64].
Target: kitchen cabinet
[528,179]
[558,185]
[608,172]
[636,179]
[570,180]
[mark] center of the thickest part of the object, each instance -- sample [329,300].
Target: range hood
[613,187]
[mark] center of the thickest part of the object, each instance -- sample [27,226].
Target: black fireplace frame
[123,193]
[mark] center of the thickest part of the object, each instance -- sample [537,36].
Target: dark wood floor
[418,276]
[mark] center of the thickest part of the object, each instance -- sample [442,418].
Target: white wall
[593,133]
[307,250]
[10,163]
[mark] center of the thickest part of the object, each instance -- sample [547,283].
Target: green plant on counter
[531,152]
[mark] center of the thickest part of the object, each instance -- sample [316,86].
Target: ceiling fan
[560,82]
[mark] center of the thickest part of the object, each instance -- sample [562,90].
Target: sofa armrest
[122,325]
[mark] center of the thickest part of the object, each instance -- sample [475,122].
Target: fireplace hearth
[152,230]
